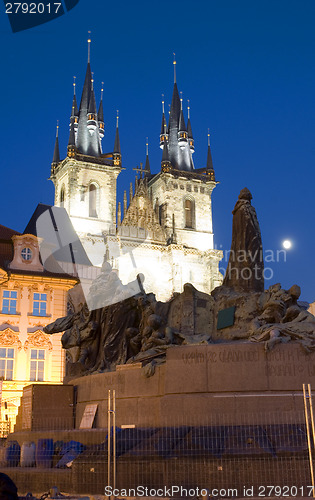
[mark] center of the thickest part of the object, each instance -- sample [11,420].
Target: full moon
[287,244]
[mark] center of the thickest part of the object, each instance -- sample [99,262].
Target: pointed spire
[125,203]
[87,137]
[117,140]
[189,130]
[89,47]
[92,102]
[174,63]
[100,114]
[56,157]
[163,133]
[181,126]
[209,166]
[74,109]
[147,162]
[72,133]
[165,157]
[130,192]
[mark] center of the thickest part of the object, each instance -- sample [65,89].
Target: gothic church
[164,230]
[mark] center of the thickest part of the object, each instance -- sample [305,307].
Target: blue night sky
[246,66]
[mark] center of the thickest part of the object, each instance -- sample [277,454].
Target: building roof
[54,226]
[6,245]
[6,233]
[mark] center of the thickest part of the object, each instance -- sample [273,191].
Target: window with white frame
[39,304]
[6,363]
[9,302]
[37,366]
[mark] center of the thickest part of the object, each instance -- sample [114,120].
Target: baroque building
[164,230]
[30,298]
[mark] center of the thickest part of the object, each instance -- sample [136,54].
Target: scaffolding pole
[308,399]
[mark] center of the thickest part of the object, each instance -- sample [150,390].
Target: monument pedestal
[197,384]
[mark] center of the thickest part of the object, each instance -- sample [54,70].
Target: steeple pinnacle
[75,111]
[174,63]
[91,118]
[89,47]
[163,133]
[117,152]
[189,130]
[100,114]
[179,155]
[209,167]
[56,157]
[165,163]
[71,143]
[87,138]
[182,132]
[147,162]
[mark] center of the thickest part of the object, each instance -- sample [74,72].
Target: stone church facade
[164,230]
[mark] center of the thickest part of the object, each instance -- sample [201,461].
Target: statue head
[245,194]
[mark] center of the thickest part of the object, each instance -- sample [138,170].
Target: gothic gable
[140,220]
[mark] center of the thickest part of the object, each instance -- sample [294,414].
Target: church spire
[174,63]
[163,133]
[56,157]
[91,114]
[209,167]
[165,163]
[189,130]
[117,140]
[147,162]
[100,114]
[88,140]
[182,132]
[71,142]
[178,148]
[117,152]
[74,111]
[89,47]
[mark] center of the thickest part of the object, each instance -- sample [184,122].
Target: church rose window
[9,302]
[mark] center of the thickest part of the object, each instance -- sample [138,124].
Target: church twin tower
[165,231]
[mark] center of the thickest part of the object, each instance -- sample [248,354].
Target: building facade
[31,297]
[164,230]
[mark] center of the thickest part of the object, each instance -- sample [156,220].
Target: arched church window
[62,197]
[92,200]
[189,213]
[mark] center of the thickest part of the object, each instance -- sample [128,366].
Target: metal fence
[265,455]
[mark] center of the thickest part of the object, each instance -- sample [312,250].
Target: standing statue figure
[245,270]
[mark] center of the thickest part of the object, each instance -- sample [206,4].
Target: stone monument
[203,371]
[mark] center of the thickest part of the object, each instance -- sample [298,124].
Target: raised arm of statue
[61,324]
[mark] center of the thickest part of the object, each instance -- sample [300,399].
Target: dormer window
[26,254]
